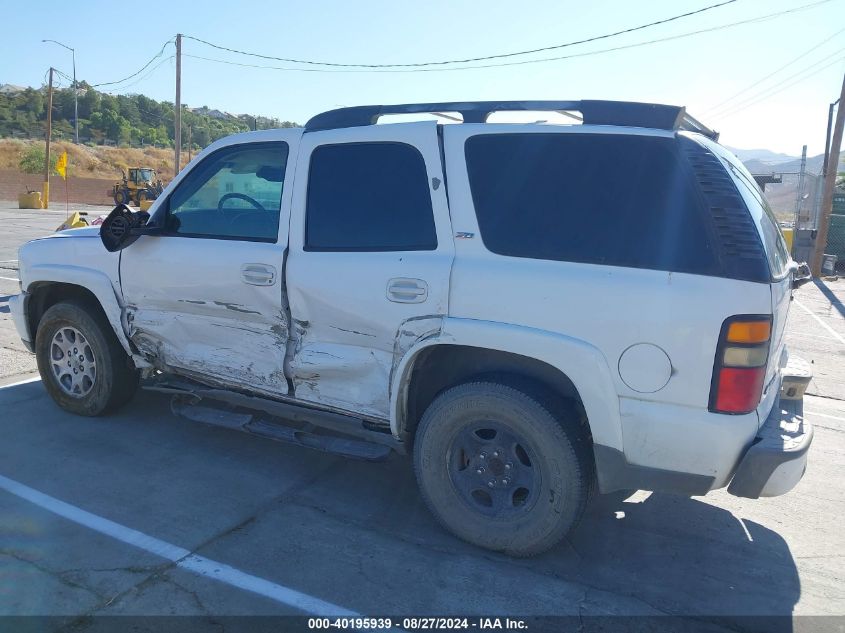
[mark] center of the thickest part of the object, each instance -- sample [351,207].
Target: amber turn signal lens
[749,331]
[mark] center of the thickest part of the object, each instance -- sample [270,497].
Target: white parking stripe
[21,382]
[833,332]
[179,555]
[10,278]
[824,415]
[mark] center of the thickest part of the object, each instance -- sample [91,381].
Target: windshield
[146,174]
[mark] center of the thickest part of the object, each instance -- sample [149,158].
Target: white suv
[531,310]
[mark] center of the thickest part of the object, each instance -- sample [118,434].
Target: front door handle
[258,274]
[405,290]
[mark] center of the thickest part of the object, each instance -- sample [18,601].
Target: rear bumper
[17,307]
[753,462]
[776,460]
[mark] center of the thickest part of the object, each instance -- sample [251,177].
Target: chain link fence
[836,232]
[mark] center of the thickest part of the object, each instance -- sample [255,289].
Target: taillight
[740,366]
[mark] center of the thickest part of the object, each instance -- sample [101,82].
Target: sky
[702,71]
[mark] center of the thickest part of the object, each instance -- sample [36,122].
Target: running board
[290,422]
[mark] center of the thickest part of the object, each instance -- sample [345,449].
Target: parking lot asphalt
[145,513]
[18,227]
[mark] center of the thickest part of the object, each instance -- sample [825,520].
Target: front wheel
[81,362]
[500,469]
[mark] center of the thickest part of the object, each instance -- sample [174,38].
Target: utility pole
[75,91]
[177,111]
[827,138]
[46,201]
[829,183]
[800,195]
[75,102]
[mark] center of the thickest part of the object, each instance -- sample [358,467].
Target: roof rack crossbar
[620,113]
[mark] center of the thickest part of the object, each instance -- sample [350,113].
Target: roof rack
[623,113]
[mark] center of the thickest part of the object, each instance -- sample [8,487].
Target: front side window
[617,200]
[235,193]
[368,197]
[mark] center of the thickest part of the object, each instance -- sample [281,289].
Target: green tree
[31,101]
[63,104]
[129,109]
[89,103]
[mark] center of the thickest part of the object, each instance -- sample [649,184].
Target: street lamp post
[75,92]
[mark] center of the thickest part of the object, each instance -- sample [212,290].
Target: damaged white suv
[531,310]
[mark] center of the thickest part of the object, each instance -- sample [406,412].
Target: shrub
[32,160]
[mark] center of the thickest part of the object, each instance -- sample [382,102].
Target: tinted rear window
[368,197]
[595,198]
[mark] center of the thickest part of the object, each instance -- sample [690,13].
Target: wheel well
[44,295]
[440,367]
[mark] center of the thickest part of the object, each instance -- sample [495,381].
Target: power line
[669,38]
[153,115]
[776,88]
[468,59]
[140,79]
[780,88]
[137,72]
[718,106]
[530,61]
[65,75]
[285,68]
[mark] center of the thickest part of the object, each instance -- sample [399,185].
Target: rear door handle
[406,290]
[258,274]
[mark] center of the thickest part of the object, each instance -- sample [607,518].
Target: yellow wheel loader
[139,185]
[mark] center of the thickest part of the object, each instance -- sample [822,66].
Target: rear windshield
[597,198]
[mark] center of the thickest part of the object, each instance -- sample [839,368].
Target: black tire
[120,197]
[554,447]
[115,378]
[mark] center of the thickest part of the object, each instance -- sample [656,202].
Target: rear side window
[776,251]
[368,197]
[594,198]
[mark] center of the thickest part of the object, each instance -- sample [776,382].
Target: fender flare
[95,281]
[583,363]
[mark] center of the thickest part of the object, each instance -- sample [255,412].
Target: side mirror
[123,227]
[801,275]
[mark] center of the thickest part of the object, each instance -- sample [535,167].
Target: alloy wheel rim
[72,361]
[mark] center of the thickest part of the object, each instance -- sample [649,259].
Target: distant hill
[122,120]
[757,166]
[761,155]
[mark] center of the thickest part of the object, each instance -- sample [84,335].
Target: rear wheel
[82,365]
[502,470]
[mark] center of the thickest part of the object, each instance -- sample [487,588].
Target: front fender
[94,280]
[583,363]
